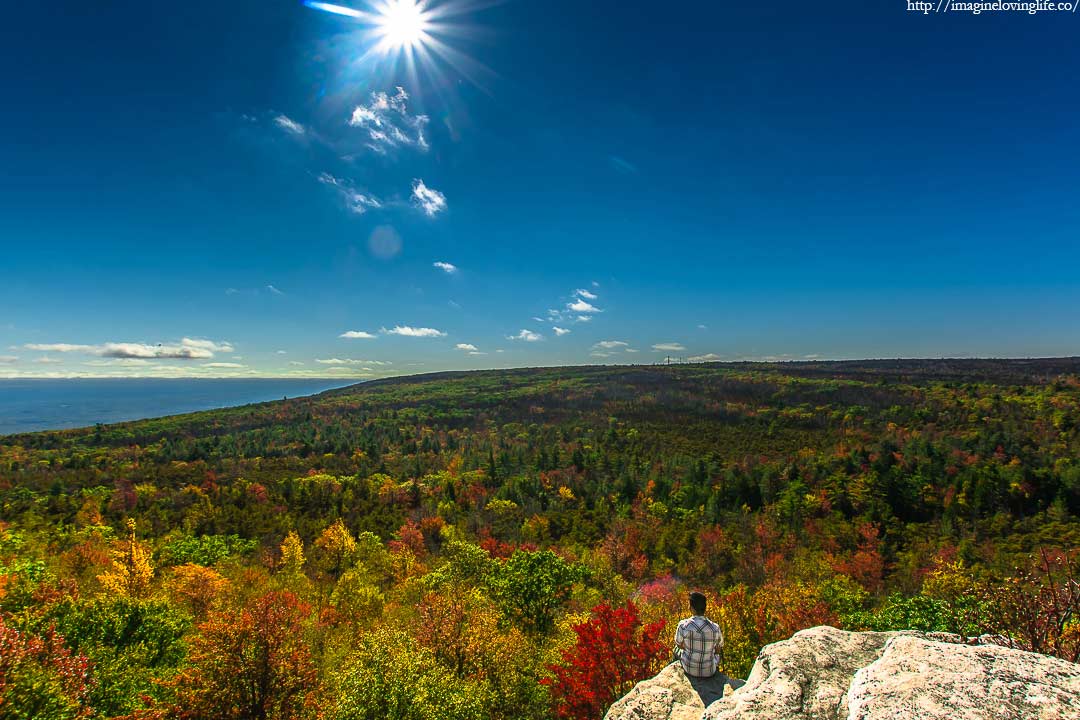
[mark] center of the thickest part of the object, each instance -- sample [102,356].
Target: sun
[417,34]
[401,25]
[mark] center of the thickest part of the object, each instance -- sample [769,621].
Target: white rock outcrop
[668,696]
[829,674]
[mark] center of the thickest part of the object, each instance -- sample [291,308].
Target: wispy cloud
[579,309]
[356,201]
[46,360]
[223,365]
[429,200]
[388,123]
[707,357]
[8,359]
[295,363]
[418,332]
[446,267]
[559,332]
[357,335]
[274,290]
[289,125]
[622,165]
[342,361]
[186,349]
[526,336]
[466,346]
[610,344]
[668,347]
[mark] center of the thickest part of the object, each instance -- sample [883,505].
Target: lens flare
[401,24]
[414,33]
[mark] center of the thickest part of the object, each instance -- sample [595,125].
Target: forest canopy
[482,544]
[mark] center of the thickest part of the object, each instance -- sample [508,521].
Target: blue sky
[218,189]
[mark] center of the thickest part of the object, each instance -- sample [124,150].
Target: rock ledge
[829,674]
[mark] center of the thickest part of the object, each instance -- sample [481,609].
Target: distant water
[30,405]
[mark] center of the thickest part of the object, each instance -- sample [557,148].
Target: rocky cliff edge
[829,674]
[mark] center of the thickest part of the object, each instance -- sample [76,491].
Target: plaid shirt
[700,638]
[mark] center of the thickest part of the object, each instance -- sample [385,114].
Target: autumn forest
[519,544]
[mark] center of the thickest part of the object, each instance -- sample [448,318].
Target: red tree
[613,651]
[41,677]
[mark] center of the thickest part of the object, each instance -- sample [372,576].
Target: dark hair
[697,603]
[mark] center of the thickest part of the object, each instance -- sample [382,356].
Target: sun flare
[401,25]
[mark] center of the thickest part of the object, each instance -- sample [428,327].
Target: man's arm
[679,637]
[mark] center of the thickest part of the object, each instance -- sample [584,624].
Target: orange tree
[250,665]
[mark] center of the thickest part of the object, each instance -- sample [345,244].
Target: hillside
[485,527]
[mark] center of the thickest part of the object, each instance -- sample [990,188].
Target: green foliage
[532,587]
[203,550]
[391,677]
[129,643]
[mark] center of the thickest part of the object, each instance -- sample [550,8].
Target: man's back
[699,638]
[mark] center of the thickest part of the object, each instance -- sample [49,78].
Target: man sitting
[698,639]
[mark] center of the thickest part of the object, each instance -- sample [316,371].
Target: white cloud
[388,123]
[466,346]
[599,354]
[702,327]
[60,347]
[274,290]
[578,310]
[295,362]
[345,361]
[282,352]
[420,332]
[429,200]
[559,332]
[527,336]
[289,125]
[477,352]
[813,356]
[632,350]
[668,347]
[207,345]
[446,267]
[707,357]
[8,359]
[223,365]
[610,344]
[46,360]
[580,306]
[355,201]
[357,335]
[186,349]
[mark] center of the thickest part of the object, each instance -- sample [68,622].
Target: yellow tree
[131,570]
[197,587]
[292,554]
[337,547]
